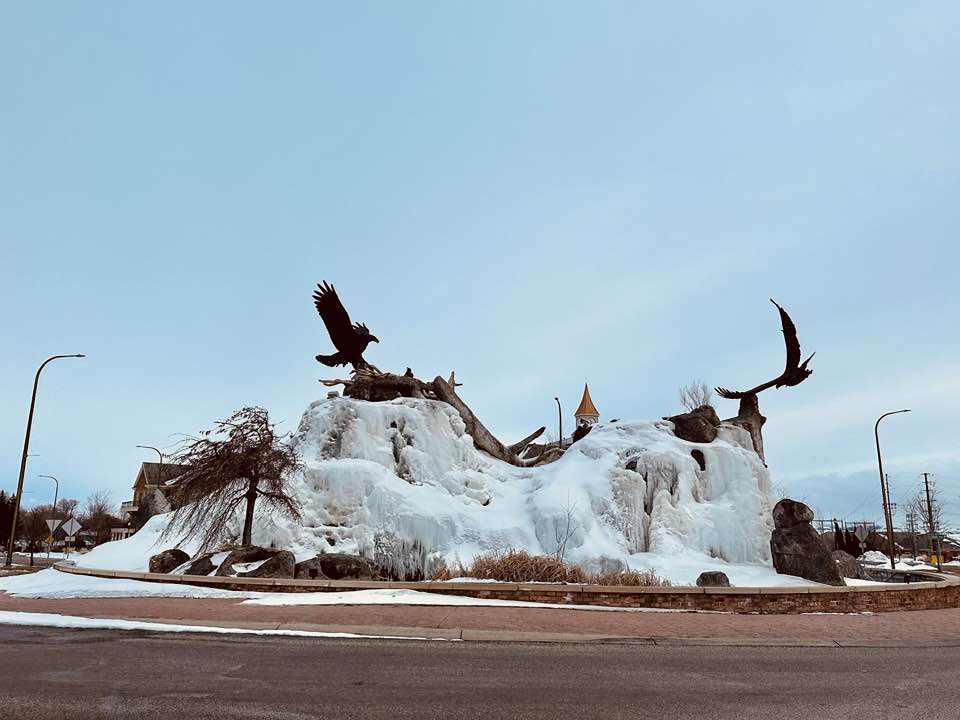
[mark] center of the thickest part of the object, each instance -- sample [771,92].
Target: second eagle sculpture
[350,339]
[795,371]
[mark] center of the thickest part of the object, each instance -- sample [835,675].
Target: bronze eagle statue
[795,371]
[350,339]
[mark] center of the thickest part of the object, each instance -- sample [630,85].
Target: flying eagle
[349,339]
[795,372]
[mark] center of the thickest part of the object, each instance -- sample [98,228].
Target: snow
[85,623]
[58,585]
[402,483]
[875,557]
[239,568]
[416,597]
[52,583]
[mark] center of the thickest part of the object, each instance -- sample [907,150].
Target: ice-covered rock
[401,482]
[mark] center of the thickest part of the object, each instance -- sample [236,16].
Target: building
[150,493]
[587,414]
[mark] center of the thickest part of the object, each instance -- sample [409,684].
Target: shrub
[636,578]
[520,566]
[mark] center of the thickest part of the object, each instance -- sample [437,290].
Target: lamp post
[56,492]
[560,421]
[26,448]
[884,491]
[160,469]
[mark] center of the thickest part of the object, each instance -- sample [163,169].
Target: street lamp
[884,491]
[56,492]
[160,469]
[26,449]
[560,421]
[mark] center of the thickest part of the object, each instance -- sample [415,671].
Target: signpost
[862,531]
[70,527]
[52,524]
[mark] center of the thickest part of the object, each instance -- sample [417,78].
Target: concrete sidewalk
[923,628]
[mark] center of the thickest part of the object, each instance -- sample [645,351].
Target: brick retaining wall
[934,595]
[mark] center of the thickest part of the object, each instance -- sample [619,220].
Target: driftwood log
[376,386]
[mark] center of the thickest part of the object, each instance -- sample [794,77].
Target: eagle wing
[790,339]
[334,315]
[793,360]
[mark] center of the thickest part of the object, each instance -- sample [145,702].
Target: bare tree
[67,506]
[696,394]
[98,515]
[98,503]
[918,506]
[238,461]
[565,527]
[33,529]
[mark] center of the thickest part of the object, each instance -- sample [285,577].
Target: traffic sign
[52,524]
[861,531]
[71,526]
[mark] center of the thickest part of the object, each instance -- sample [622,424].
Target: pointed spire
[587,408]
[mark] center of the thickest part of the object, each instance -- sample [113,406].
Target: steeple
[587,413]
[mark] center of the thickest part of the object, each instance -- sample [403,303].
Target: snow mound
[399,479]
[402,483]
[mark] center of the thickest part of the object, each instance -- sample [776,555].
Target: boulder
[699,426]
[281,565]
[164,562]
[847,565]
[200,565]
[713,578]
[348,567]
[309,569]
[796,547]
[788,513]
[248,554]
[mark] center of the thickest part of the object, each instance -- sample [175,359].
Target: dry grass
[635,578]
[520,566]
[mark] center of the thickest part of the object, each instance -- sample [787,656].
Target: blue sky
[529,193]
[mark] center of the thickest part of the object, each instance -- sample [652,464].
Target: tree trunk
[247,538]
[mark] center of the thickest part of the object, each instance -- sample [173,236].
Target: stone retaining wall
[934,595]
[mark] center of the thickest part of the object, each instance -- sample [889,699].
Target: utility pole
[889,509]
[912,527]
[934,540]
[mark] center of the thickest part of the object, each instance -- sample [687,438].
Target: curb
[940,592]
[508,636]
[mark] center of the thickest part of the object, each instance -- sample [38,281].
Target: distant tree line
[98,515]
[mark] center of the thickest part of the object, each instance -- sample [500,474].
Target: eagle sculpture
[795,371]
[350,339]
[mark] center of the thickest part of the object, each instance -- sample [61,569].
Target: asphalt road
[54,673]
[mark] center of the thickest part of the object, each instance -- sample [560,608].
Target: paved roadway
[77,674]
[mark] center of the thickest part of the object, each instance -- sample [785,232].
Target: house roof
[150,471]
[586,405]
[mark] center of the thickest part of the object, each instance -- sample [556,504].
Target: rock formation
[167,560]
[699,426]
[847,565]
[713,578]
[749,418]
[796,547]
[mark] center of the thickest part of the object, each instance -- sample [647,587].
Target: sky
[531,194]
